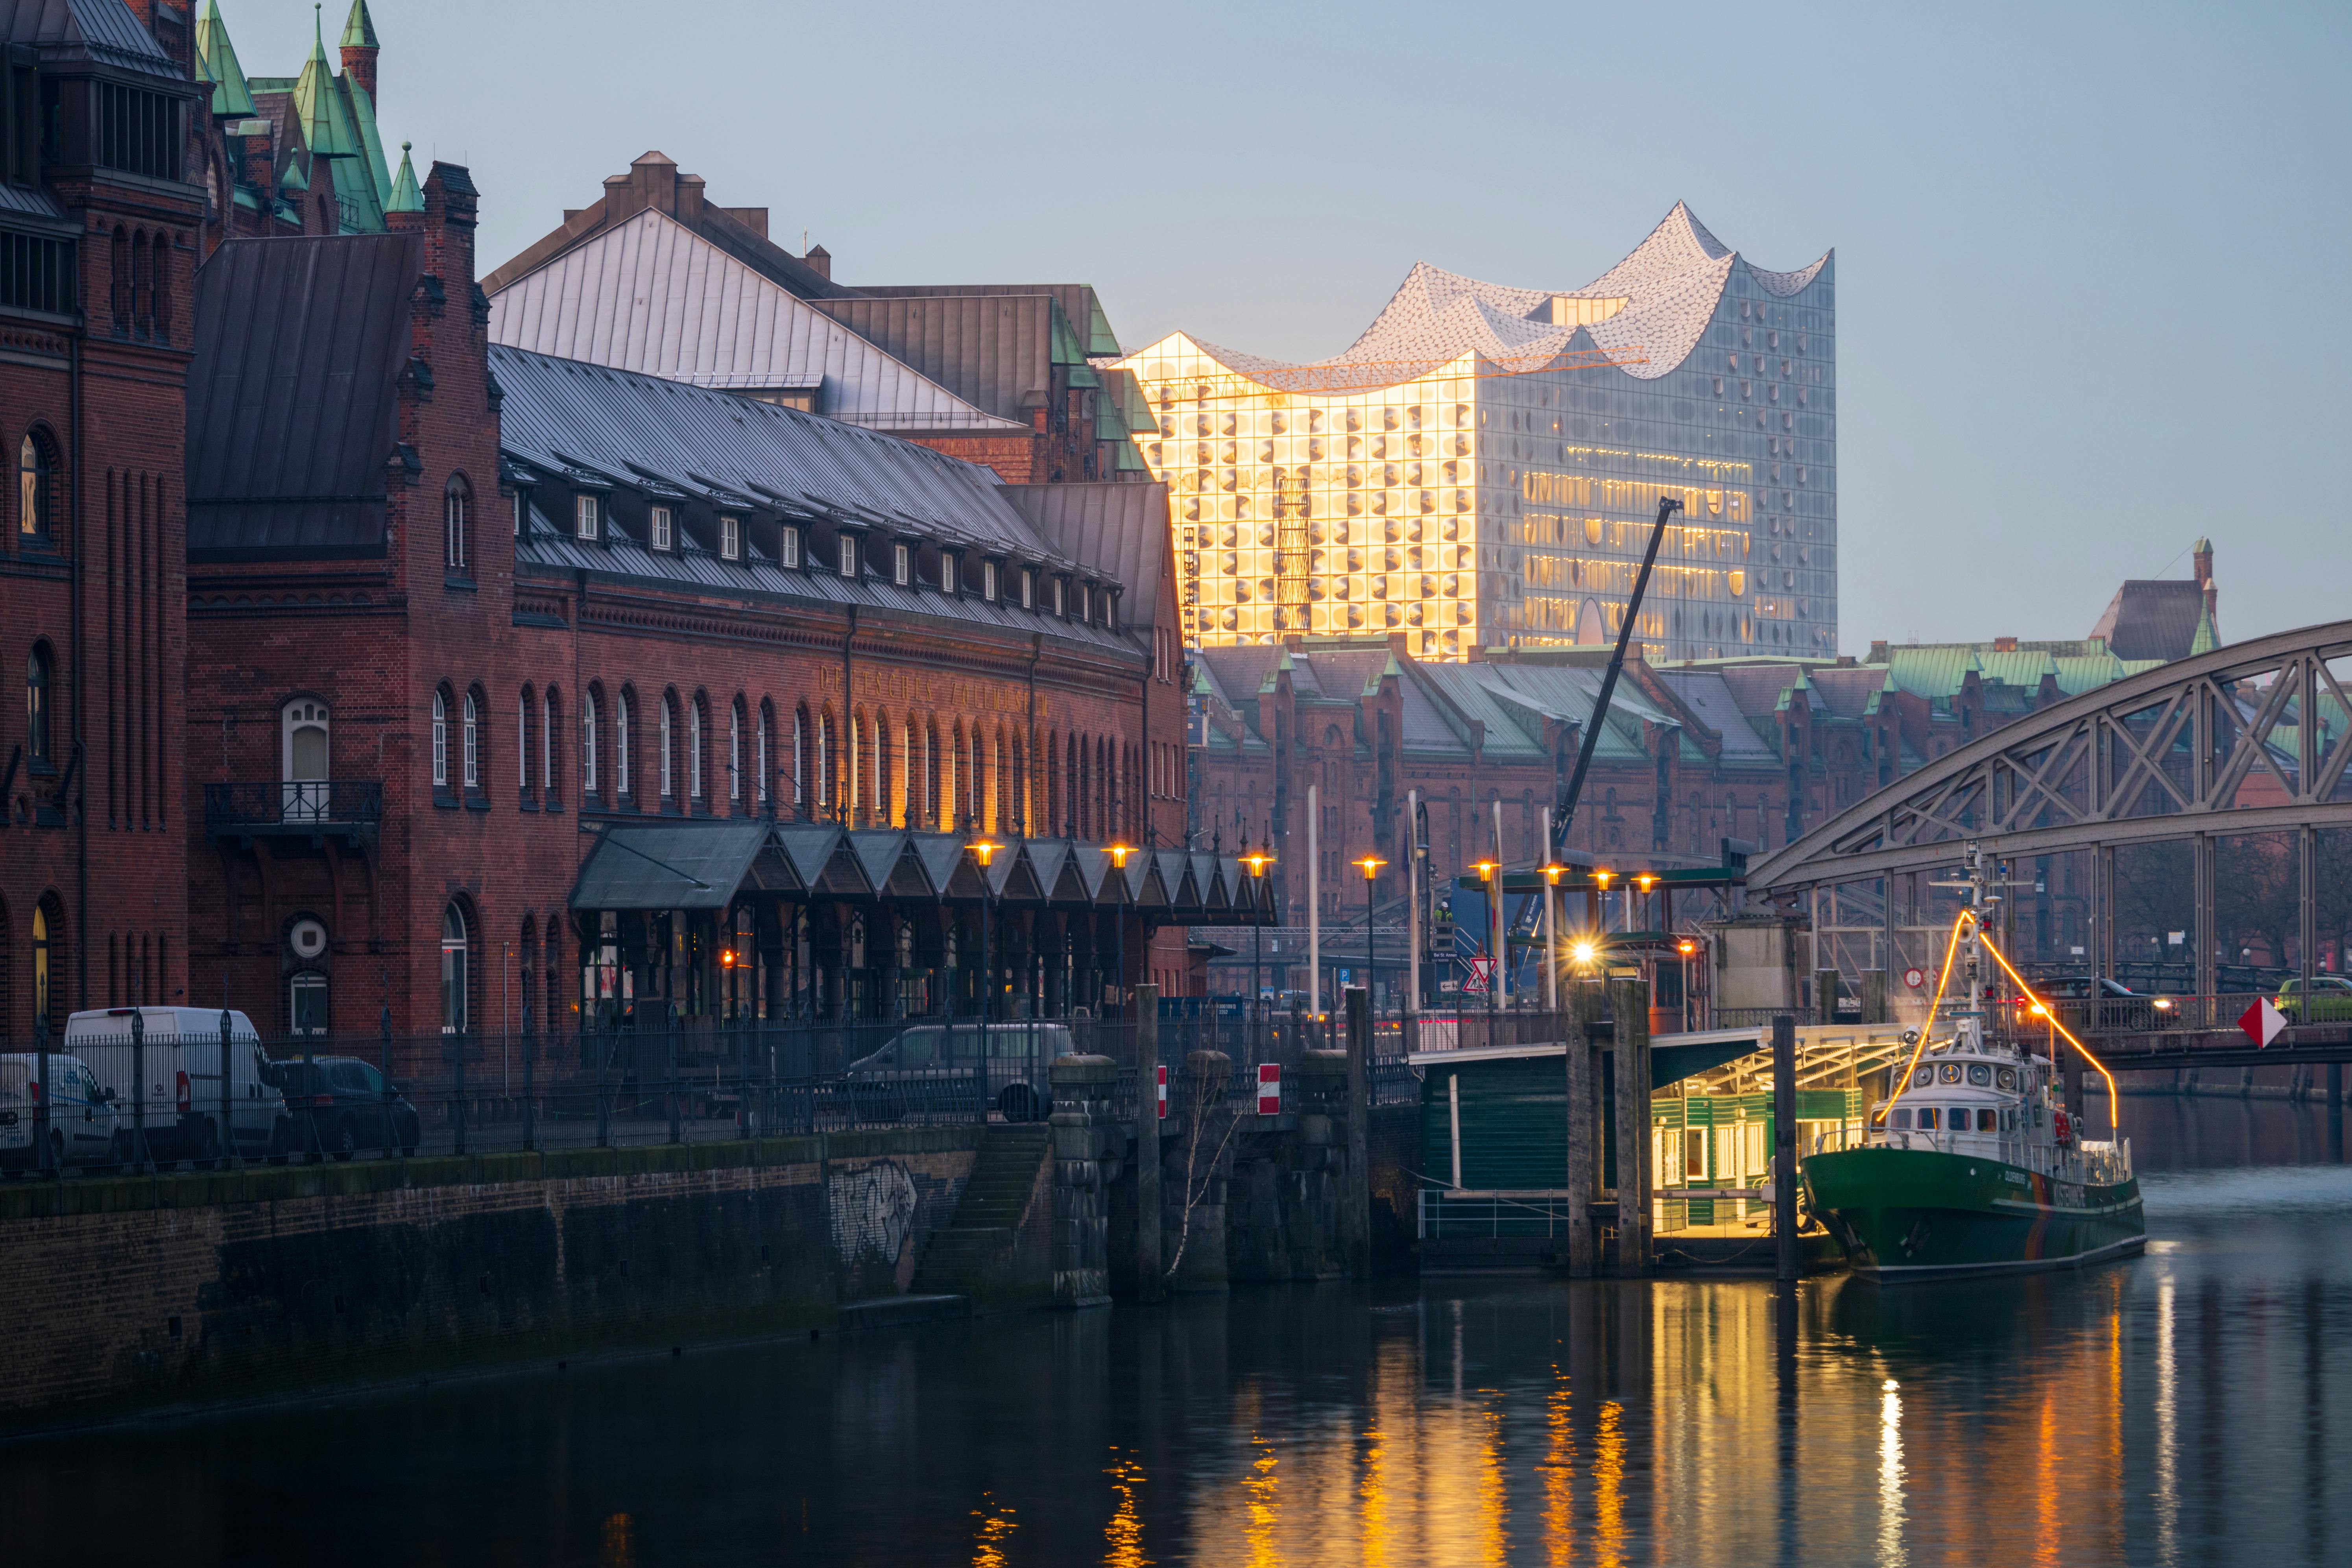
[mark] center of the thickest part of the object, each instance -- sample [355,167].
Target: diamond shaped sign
[2262,1022]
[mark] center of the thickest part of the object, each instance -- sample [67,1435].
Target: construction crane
[1564,817]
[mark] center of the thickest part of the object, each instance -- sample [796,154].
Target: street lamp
[1645,880]
[1687,947]
[1371,865]
[1551,870]
[1257,860]
[1600,906]
[1118,854]
[982,849]
[1487,869]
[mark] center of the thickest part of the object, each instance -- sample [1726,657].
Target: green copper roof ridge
[405,197]
[359,29]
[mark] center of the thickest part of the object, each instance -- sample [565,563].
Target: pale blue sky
[2090,297]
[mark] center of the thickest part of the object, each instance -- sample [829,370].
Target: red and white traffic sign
[1163,1091]
[1482,973]
[1915,978]
[2262,1022]
[1269,1088]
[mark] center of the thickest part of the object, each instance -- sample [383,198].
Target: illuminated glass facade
[1482,468]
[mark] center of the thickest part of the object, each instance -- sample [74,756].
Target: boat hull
[1913,1213]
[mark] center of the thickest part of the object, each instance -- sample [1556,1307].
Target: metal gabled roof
[1117,531]
[995,352]
[653,295]
[105,31]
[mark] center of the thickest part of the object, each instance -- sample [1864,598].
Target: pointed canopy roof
[216,63]
[359,29]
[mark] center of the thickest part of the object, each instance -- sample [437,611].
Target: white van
[82,1114]
[180,1051]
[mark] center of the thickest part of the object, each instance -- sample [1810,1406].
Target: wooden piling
[1150,1285]
[1629,1001]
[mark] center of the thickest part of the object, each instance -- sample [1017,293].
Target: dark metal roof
[669,865]
[1078,301]
[1117,529]
[649,434]
[105,31]
[293,404]
[2152,618]
[992,350]
[29,203]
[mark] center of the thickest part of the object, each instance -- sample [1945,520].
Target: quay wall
[120,1293]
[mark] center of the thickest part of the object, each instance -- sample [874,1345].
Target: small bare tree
[1207,1094]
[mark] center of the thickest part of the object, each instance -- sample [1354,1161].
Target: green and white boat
[1973,1168]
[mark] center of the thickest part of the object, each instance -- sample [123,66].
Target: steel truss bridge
[2250,739]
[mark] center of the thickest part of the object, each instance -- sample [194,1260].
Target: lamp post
[1487,869]
[1687,947]
[1551,870]
[1601,879]
[1645,880]
[982,849]
[1371,866]
[1118,854]
[1257,860]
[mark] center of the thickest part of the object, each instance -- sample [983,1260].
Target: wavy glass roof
[1644,315]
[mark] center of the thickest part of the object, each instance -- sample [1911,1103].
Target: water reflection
[2176,1409]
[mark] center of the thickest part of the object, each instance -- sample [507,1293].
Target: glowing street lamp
[982,849]
[1601,879]
[1118,854]
[1687,947]
[1487,869]
[1257,860]
[1551,870]
[1371,866]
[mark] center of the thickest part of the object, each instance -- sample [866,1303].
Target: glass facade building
[1481,467]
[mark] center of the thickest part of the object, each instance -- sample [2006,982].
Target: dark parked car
[338,1106]
[2095,1002]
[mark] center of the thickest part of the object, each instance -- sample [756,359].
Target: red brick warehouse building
[99,226]
[466,617]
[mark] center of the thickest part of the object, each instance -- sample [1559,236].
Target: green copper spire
[216,63]
[294,179]
[326,130]
[359,31]
[405,197]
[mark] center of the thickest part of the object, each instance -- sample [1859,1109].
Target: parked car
[339,1106]
[81,1114]
[179,1051]
[2331,998]
[2096,1001]
[1010,1064]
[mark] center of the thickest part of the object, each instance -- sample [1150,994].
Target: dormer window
[586,519]
[849,542]
[788,545]
[947,572]
[1061,601]
[731,537]
[988,581]
[1110,610]
[902,563]
[1028,589]
[521,511]
[1085,603]
[661,528]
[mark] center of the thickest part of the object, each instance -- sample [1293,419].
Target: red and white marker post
[1163,1091]
[1269,1088]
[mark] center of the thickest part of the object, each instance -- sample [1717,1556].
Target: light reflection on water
[2175,1409]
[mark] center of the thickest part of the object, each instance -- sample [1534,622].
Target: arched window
[49,961]
[694,748]
[759,753]
[667,783]
[550,716]
[142,287]
[522,739]
[621,742]
[440,742]
[823,759]
[588,743]
[473,743]
[119,271]
[800,762]
[735,751]
[453,524]
[36,488]
[36,707]
[163,288]
[526,957]
[302,757]
[454,967]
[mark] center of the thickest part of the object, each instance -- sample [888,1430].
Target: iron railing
[251,805]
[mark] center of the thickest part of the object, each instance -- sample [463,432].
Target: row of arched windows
[681,759]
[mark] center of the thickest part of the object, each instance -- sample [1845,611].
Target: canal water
[2181,1408]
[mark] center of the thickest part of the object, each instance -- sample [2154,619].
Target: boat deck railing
[2094,1164]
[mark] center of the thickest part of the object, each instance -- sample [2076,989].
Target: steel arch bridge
[2254,738]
